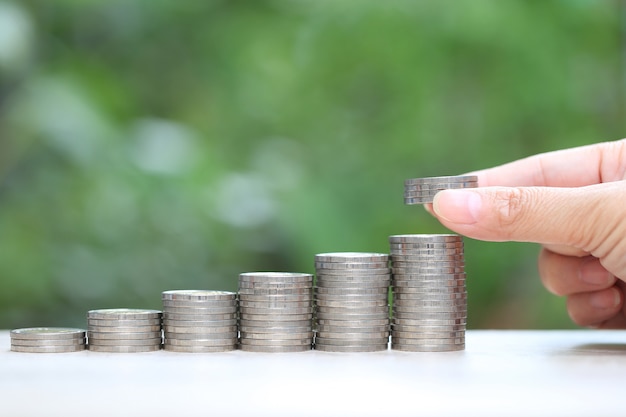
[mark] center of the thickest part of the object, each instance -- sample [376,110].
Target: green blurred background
[148,145]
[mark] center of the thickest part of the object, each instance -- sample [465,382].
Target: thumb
[588,218]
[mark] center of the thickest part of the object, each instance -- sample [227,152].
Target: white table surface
[512,373]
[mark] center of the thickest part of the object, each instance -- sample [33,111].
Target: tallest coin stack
[429,294]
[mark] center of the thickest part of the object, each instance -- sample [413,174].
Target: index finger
[575,167]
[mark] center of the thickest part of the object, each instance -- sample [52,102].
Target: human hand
[573,203]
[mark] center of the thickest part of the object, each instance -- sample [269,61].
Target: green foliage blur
[148,145]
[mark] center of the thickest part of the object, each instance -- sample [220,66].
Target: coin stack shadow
[423,190]
[352,302]
[429,293]
[199,321]
[47,340]
[124,330]
[275,311]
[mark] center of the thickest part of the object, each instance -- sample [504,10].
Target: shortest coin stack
[47,340]
[124,330]
[276,311]
[423,190]
[199,321]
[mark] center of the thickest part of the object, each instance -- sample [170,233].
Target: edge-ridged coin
[276,342]
[124,342]
[47,333]
[275,349]
[349,303]
[200,336]
[275,323]
[199,317]
[123,335]
[198,349]
[438,321]
[358,336]
[278,311]
[48,349]
[434,349]
[429,297]
[47,342]
[442,178]
[275,291]
[275,304]
[199,323]
[275,285]
[429,328]
[124,349]
[123,313]
[276,336]
[354,329]
[354,287]
[352,290]
[276,330]
[427,335]
[351,257]
[346,349]
[200,304]
[201,342]
[353,323]
[124,323]
[200,310]
[276,317]
[197,295]
[429,303]
[120,329]
[270,298]
[351,265]
[350,342]
[199,330]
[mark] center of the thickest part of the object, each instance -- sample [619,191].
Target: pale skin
[573,203]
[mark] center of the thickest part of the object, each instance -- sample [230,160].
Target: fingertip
[460,206]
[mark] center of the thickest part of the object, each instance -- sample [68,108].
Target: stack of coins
[199,321]
[47,340]
[423,190]
[352,302]
[124,330]
[429,293]
[276,311]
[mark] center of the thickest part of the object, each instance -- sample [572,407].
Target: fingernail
[605,299]
[458,206]
[592,272]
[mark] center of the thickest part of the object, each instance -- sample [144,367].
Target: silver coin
[351,316]
[47,333]
[199,323]
[354,287]
[449,178]
[354,279]
[321,272]
[351,265]
[276,336]
[199,329]
[275,304]
[125,349]
[117,336]
[275,317]
[351,257]
[416,189]
[353,336]
[126,342]
[353,310]
[352,304]
[275,291]
[352,298]
[399,250]
[124,323]
[428,270]
[275,349]
[430,277]
[199,336]
[351,291]
[275,276]
[276,342]
[426,238]
[429,297]
[429,328]
[348,329]
[430,309]
[120,329]
[430,315]
[201,342]
[345,349]
[275,285]
[415,348]
[433,283]
[429,303]
[353,323]
[275,323]
[199,349]
[200,311]
[429,290]
[429,322]
[431,342]
[48,349]
[276,329]
[48,342]
[350,342]
[199,317]
[200,304]
[277,311]
[198,295]
[123,313]
[270,298]
[396,334]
